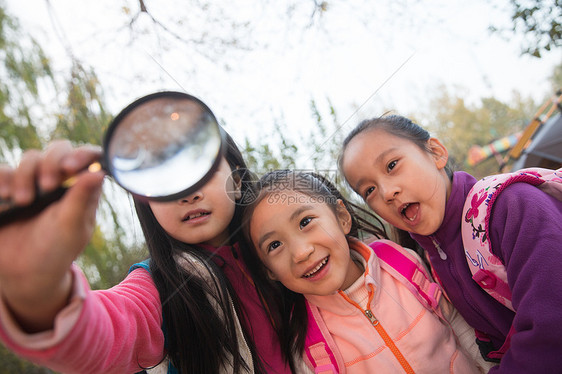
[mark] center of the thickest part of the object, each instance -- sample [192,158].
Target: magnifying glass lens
[163,147]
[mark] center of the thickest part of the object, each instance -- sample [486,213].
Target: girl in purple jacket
[401,173]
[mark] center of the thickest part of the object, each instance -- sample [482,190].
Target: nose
[389,192]
[194,197]
[302,252]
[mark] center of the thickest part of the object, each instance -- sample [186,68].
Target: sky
[361,56]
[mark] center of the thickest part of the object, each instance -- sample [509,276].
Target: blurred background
[288,80]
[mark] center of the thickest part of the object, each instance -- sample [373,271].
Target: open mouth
[195,215]
[410,211]
[318,267]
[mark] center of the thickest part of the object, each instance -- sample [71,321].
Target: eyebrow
[293,216]
[299,211]
[377,160]
[264,238]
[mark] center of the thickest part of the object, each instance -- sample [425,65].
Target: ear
[237,187]
[344,217]
[270,274]
[439,152]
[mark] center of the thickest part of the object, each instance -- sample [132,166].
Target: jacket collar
[336,303]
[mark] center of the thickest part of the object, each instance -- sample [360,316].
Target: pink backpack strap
[318,345]
[403,266]
[486,349]
[487,269]
[409,271]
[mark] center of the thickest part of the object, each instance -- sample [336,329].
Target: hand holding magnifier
[162,146]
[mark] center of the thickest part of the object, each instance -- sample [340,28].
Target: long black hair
[200,333]
[288,308]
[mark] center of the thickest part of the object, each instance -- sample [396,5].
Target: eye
[392,165]
[368,191]
[304,222]
[273,245]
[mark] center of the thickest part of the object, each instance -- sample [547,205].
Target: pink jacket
[119,330]
[400,324]
[98,331]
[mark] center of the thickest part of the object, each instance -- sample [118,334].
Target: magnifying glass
[163,146]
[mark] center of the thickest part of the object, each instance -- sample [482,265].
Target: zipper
[467,297]
[380,330]
[454,273]
[388,341]
[239,328]
[442,254]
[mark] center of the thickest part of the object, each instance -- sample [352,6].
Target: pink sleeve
[111,331]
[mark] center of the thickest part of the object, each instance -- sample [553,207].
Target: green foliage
[83,119]
[316,150]
[319,150]
[325,138]
[23,67]
[25,121]
[11,364]
[460,126]
[106,261]
[539,21]
[262,157]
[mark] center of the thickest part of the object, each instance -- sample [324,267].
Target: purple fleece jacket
[526,234]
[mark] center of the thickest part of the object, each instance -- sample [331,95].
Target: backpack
[320,349]
[487,269]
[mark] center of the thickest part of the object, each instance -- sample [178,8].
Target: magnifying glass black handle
[10,213]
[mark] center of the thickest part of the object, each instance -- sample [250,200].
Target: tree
[262,156]
[539,21]
[314,150]
[22,70]
[460,125]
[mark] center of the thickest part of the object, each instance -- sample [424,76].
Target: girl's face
[404,184]
[302,243]
[202,217]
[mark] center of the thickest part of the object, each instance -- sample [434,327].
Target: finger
[50,171]
[80,204]
[81,158]
[24,179]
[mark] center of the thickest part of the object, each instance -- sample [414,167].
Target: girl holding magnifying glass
[195,311]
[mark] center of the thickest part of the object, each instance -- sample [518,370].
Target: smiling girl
[305,233]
